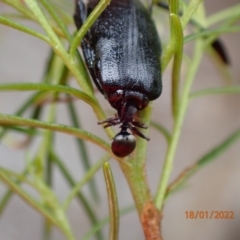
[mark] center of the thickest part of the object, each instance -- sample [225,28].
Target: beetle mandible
[122,51]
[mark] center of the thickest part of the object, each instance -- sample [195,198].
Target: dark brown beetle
[122,51]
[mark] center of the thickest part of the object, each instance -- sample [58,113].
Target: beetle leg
[110,121]
[110,124]
[137,132]
[140,125]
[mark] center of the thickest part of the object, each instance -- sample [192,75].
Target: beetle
[122,52]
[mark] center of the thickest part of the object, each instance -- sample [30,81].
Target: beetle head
[123,144]
[127,104]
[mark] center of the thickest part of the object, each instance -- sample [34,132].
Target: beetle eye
[123,144]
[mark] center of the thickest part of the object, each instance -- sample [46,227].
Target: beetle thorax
[127,103]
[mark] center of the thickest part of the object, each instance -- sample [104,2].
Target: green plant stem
[170,49]
[28,132]
[21,110]
[215,91]
[43,157]
[136,177]
[160,128]
[209,33]
[83,151]
[206,159]
[5,199]
[224,15]
[22,28]
[191,9]
[20,7]
[16,189]
[47,87]
[57,88]
[60,88]
[168,163]
[177,32]
[53,74]
[48,143]
[47,230]
[174,6]
[225,25]
[58,47]
[80,196]
[88,176]
[134,168]
[135,172]
[148,214]
[55,16]
[112,202]
[13,120]
[94,229]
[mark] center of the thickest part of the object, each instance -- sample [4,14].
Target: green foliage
[65,62]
